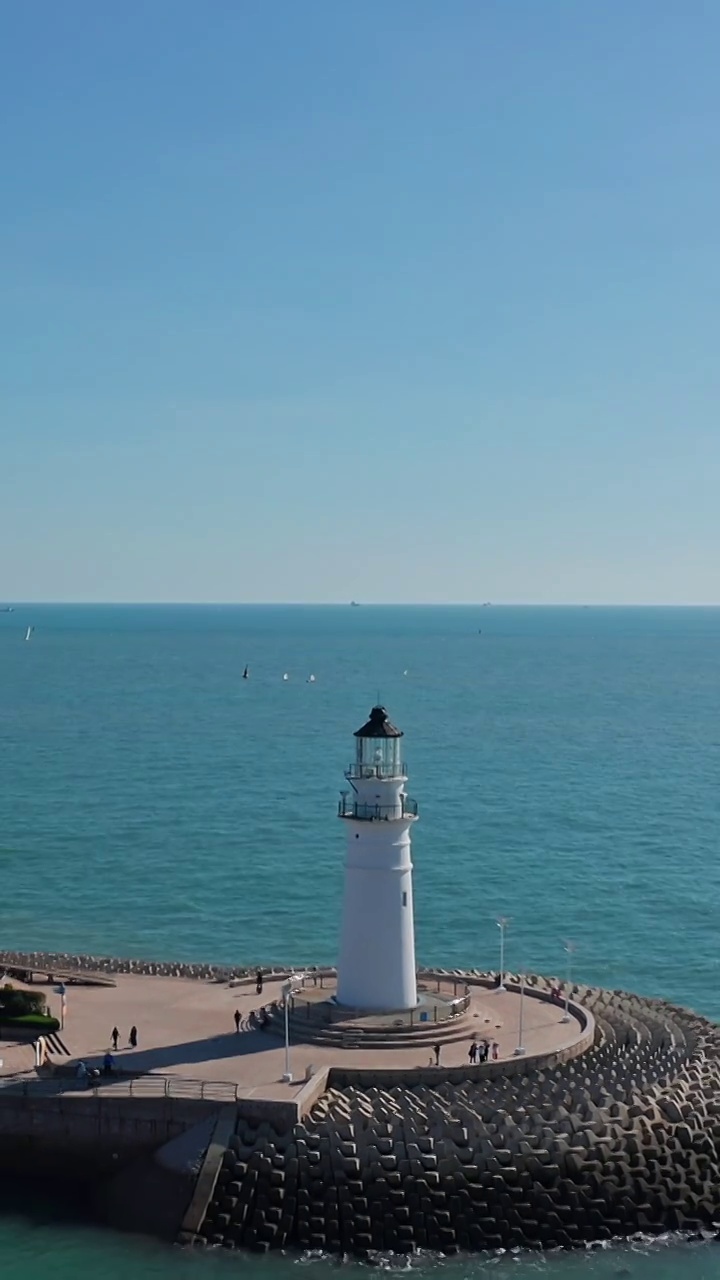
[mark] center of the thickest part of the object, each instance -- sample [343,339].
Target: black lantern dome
[379,726]
[378,748]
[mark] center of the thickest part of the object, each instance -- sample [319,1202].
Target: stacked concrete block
[623,1139]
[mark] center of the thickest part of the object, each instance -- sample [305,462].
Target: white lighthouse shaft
[376,968]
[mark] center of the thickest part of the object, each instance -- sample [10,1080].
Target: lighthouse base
[442,1014]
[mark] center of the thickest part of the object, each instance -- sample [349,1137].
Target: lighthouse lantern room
[376,968]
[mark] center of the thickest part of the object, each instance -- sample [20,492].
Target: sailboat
[29,632]
[246,673]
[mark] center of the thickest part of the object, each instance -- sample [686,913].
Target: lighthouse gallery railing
[349,808]
[395,770]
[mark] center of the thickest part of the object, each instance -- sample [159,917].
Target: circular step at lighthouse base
[449,1009]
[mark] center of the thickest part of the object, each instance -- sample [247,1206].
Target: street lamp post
[569,948]
[61,989]
[520,1047]
[502,923]
[287,991]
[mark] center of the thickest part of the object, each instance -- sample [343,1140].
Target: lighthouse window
[404,899]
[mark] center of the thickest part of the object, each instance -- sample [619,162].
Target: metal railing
[428,1012]
[397,769]
[349,808]
[146,1086]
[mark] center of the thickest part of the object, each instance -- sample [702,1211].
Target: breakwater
[614,1133]
[623,1139]
[42,961]
[53,961]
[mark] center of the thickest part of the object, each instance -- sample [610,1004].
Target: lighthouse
[376,968]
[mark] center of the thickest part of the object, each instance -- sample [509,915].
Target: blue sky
[403,301]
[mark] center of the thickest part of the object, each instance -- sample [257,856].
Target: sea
[154,803]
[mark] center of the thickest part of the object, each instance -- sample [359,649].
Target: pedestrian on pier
[436,1051]
[115,1036]
[259,982]
[472,1053]
[133,1037]
[495,1050]
[236,1016]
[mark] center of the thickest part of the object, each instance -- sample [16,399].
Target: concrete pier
[605,1126]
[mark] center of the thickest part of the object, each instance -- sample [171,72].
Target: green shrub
[14,1003]
[39,1022]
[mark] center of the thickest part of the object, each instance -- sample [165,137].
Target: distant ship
[7,608]
[354,604]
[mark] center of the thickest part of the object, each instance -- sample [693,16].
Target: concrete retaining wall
[83,1134]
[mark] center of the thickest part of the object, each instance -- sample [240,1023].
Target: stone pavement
[186,1028]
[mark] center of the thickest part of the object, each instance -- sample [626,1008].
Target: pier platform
[186,1029]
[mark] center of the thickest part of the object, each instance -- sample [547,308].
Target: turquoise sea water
[154,803]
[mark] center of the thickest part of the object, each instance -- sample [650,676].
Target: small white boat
[311,680]
[286,676]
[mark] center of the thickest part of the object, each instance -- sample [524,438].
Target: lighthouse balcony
[349,808]
[392,769]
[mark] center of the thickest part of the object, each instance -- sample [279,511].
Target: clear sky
[399,300]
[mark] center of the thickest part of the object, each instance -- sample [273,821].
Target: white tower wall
[376,966]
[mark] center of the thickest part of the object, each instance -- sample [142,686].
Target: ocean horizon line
[15,603]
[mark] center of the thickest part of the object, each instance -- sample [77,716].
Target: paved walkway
[186,1028]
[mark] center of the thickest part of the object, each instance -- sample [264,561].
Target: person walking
[472,1053]
[115,1036]
[495,1050]
[133,1037]
[259,982]
[436,1051]
[236,1016]
[108,1064]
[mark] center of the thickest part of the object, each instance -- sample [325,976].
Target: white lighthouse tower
[376,969]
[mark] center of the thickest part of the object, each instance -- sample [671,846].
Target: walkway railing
[146,1086]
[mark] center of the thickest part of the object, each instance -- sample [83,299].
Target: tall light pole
[502,923]
[290,988]
[287,992]
[61,989]
[520,1047]
[569,948]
